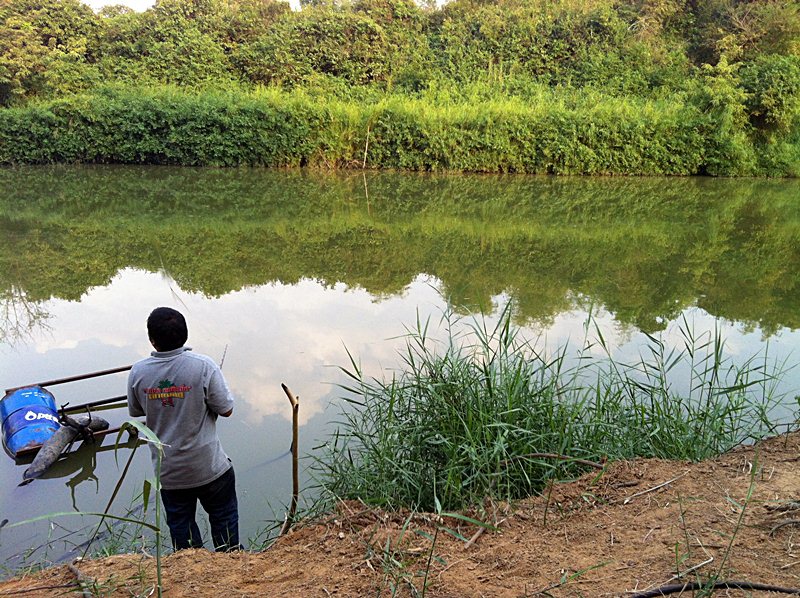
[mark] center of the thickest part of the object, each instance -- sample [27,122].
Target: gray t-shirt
[180,393]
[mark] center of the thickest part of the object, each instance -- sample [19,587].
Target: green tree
[246,20]
[176,41]
[772,83]
[721,98]
[45,48]
[335,43]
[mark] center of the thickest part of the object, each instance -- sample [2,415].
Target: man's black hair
[167,329]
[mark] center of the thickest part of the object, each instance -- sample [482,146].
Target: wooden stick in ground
[295,473]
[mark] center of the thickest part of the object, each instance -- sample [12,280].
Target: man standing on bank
[181,393]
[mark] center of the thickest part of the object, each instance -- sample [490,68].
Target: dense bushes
[590,134]
[772,84]
[165,127]
[50,47]
[611,137]
[274,128]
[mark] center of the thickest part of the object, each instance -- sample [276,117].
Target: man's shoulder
[137,365]
[199,357]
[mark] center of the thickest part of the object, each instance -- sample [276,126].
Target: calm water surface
[281,274]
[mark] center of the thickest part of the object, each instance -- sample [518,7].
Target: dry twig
[783,524]
[653,489]
[37,589]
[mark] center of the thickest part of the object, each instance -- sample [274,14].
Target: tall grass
[489,413]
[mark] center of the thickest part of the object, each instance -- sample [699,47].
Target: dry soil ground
[640,525]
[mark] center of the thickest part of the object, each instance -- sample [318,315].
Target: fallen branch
[653,489]
[474,537]
[480,532]
[690,569]
[783,524]
[37,589]
[720,585]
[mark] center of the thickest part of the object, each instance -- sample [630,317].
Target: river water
[283,275]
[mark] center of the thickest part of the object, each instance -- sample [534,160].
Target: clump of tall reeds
[488,413]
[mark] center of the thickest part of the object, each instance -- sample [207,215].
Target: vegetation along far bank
[565,87]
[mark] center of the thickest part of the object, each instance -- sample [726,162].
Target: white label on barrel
[31,416]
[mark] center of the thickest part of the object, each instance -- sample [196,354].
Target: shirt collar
[173,353]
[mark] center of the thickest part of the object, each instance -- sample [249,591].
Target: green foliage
[177,42]
[772,83]
[729,149]
[245,20]
[556,41]
[744,28]
[271,128]
[163,127]
[365,45]
[444,130]
[594,137]
[339,44]
[561,86]
[45,48]
[487,413]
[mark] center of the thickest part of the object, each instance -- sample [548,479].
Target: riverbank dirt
[632,529]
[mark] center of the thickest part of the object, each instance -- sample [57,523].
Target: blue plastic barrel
[29,418]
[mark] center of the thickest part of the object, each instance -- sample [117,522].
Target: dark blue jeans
[218,498]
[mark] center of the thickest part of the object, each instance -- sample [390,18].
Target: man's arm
[218,398]
[134,407]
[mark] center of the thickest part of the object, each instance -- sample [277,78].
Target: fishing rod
[124,368]
[84,406]
[91,405]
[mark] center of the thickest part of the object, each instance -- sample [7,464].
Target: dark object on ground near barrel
[52,448]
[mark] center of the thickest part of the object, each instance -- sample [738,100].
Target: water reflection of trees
[19,316]
[644,248]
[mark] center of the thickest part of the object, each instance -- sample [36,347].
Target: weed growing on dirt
[394,562]
[406,567]
[742,507]
[707,584]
